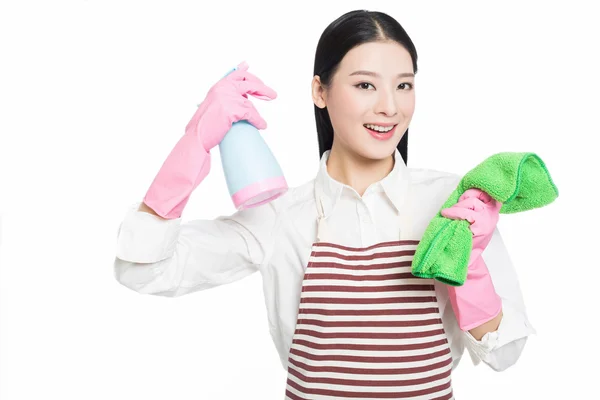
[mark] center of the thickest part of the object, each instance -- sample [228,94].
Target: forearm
[477,306]
[144,207]
[186,166]
[491,326]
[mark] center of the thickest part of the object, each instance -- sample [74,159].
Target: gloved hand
[189,161]
[476,301]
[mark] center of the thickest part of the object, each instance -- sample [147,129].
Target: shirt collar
[328,191]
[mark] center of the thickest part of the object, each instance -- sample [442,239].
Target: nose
[386,103]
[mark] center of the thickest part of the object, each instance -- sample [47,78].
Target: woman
[345,313]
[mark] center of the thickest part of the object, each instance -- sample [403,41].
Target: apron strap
[321,223]
[406,210]
[322,230]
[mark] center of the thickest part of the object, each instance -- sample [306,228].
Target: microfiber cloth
[520,181]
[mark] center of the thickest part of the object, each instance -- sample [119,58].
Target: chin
[378,149]
[378,152]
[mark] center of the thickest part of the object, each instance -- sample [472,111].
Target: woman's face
[374,85]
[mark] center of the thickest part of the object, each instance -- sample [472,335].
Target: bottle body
[252,173]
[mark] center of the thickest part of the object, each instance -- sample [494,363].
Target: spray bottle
[253,175]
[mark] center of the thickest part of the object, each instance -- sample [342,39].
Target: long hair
[342,35]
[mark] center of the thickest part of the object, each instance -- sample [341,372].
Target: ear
[318,92]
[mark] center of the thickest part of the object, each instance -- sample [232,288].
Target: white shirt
[172,258]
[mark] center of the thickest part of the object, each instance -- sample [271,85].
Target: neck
[356,171]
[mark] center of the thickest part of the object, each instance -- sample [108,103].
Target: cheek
[348,106]
[408,105]
[356,105]
[344,112]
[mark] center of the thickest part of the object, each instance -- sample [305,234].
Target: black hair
[342,35]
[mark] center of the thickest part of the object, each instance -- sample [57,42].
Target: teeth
[379,128]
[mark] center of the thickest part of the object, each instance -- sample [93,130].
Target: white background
[94,94]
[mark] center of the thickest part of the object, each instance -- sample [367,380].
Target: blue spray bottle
[253,175]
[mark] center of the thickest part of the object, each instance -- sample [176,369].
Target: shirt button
[363,213]
[364,216]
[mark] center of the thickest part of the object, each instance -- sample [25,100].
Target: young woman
[346,316]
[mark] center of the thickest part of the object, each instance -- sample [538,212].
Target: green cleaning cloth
[520,181]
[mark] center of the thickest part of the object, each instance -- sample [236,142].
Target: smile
[381,132]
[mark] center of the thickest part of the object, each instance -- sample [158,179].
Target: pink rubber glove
[189,161]
[476,301]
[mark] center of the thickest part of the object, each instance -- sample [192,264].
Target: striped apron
[366,327]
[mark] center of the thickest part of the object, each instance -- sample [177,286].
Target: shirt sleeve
[171,258]
[502,348]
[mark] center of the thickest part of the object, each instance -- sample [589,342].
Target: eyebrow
[376,75]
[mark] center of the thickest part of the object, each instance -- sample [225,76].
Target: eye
[365,86]
[362,85]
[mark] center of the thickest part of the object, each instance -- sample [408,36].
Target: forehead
[386,58]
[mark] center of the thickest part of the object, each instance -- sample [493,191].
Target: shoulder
[428,176]
[430,189]
[297,203]
[433,183]
[296,200]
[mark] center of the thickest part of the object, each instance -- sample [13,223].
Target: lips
[382,135]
